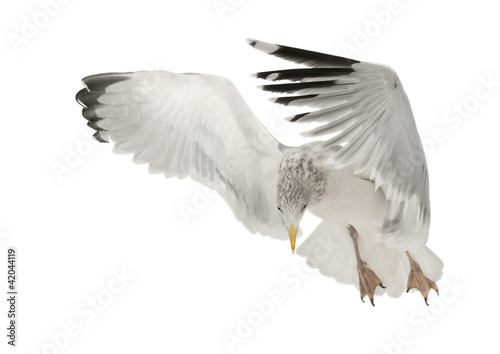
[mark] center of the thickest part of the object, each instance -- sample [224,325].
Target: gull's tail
[330,249]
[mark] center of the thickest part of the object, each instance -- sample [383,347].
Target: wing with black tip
[363,107]
[191,125]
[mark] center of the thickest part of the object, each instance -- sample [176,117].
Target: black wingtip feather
[303,73]
[99,138]
[99,82]
[93,125]
[289,88]
[297,117]
[79,96]
[87,99]
[288,99]
[301,56]
[90,114]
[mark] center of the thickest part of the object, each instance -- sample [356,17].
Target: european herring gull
[367,181]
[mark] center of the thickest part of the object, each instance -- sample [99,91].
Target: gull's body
[351,199]
[348,198]
[368,183]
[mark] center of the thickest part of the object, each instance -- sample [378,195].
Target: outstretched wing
[365,105]
[191,125]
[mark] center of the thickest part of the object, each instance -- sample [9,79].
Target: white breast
[351,200]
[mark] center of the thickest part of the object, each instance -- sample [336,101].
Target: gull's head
[301,183]
[292,204]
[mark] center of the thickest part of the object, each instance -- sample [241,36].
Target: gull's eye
[279,208]
[304,207]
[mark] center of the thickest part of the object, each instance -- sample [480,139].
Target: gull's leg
[368,280]
[418,280]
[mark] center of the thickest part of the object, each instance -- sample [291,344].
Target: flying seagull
[367,180]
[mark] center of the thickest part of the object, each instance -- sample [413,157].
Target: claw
[368,282]
[417,280]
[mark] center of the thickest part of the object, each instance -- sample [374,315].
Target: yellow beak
[292,232]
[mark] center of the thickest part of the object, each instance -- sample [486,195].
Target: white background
[190,282]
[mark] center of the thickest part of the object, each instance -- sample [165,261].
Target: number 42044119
[11,269]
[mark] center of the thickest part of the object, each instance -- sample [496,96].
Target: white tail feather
[329,248]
